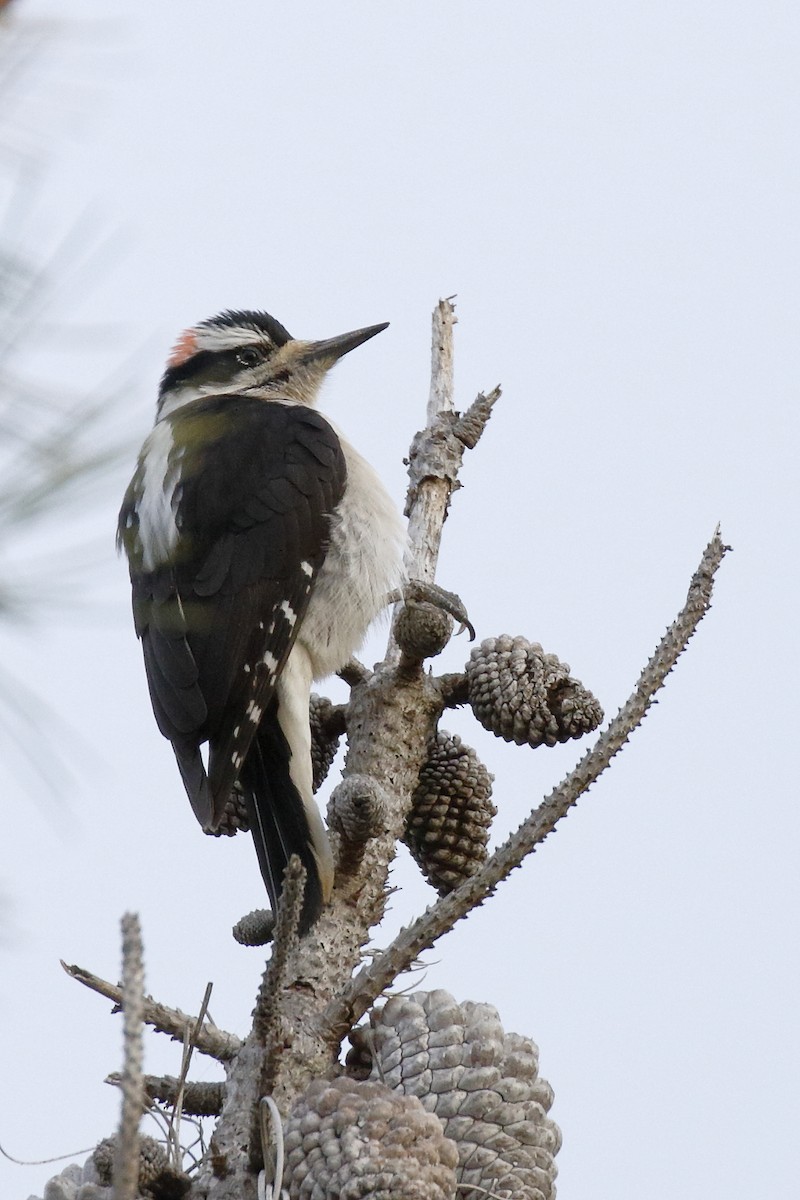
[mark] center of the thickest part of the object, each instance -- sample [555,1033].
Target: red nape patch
[184,348]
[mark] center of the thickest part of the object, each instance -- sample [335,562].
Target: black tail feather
[195,780]
[277,816]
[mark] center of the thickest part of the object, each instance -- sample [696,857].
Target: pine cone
[157,1179]
[256,928]
[481,1082]
[523,695]
[358,1140]
[103,1158]
[234,817]
[323,744]
[447,830]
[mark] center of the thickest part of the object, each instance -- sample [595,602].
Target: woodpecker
[261,546]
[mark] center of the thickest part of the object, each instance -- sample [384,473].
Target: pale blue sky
[612,192]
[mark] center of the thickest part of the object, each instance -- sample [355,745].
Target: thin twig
[126,1156]
[210,1040]
[367,985]
[42,1162]
[190,1041]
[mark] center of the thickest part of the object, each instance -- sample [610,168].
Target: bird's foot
[419,591]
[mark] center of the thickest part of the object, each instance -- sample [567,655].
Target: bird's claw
[439,597]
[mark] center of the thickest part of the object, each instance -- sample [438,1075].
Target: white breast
[363,564]
[156,505]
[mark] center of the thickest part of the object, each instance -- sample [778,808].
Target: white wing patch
[269,659]
[289,613]
[156,506]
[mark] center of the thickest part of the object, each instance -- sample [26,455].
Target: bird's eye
[247,357]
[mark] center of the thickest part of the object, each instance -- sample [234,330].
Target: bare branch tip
[718,538]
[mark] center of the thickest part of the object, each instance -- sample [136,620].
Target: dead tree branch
[437,451]
[364,989]
[210,1040]
[436,455]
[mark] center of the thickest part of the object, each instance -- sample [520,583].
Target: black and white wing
[258,484]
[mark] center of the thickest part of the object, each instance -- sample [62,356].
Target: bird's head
[250,353]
